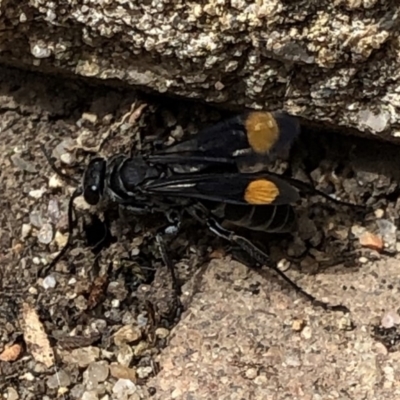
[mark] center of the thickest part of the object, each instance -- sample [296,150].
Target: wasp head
[93,181]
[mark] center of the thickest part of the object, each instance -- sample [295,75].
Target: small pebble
[363,260]
[118,290]
[371,241]
[142,320]
[127,334]
[144,372]
[306,333]
[32,290]
[135,251]
[298,325]
[49,282]
[176,393]
[125,355]
[77,391]
[11,394]
[128,318]
[60,378]
[45,234]
[90,117]
[81,204]
[83,356]
[122,372]
[60,239]
[37,193]
[55,182]
[115,303]
[28,376]
[123,388]
[390,319]
[162,333]
[53,211]
[35,219]
[26,229]
[90,395]
[36,260]
[97,372]
[251,373]
[22,164]
[67,158]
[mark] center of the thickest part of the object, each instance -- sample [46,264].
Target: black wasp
[202,176]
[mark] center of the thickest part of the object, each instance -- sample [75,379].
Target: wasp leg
[167,261]
[71,224]
[264,259]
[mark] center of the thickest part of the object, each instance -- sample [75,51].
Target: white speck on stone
[115,303]
[49,282]
[40,50]
[379,213]
[51,15]
[72,281]
[251,373]
[26,229]
[176,393]
[90,117]
[55,182]
[37,193]
[28,376]
[67,158]
[36,260]
[306,333]
[60,239]
[144,372]
[32,290]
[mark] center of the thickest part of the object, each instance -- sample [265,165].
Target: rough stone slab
[329,61]
[232,344]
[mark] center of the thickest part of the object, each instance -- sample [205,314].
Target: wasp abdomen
[279,219]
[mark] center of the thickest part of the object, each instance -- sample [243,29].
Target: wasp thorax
[93,181]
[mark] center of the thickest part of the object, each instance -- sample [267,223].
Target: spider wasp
[201,176]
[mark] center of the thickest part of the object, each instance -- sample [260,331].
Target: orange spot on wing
[261,192]
[262,131]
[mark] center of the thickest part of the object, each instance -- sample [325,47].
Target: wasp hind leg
[169,264]
[259,256]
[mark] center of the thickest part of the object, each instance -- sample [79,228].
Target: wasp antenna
[309,189]
[55,168]
[45,270]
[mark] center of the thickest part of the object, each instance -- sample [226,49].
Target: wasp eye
[93,181]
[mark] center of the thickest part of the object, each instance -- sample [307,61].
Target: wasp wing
[258,133]
[231,188]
